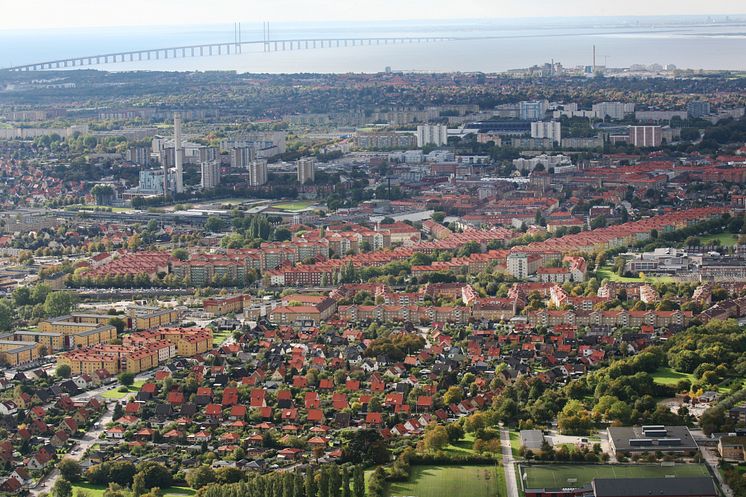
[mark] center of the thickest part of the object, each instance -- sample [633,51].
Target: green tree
[118,323]
[70,469]
[62,488]
[6,316]
[200,477]
[63,371]
[126,379]
[60,303]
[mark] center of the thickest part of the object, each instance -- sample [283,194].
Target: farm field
[448,481]
[564,475]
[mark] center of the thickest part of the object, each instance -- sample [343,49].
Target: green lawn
[605,272]
[448,481]
[670,377]
[117,395]
[564,475]
[725,239]
[464,446]
[515,443]
[293,206]
[220,336]
[98,490]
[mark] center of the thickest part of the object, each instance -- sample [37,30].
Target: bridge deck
[214,49]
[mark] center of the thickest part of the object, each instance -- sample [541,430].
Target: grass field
[448,481]
[725,239]
[220,336]
[464,446]
[98,490]
[564,475]
[605,272]
[670,377]
[515,443]
[293,206]
[117,395]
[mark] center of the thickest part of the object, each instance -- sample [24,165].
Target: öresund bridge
[237,46]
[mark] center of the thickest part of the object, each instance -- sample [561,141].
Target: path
[511,482]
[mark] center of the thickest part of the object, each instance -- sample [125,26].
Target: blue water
[696,43]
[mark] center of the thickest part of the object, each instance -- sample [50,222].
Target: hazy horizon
[45,14]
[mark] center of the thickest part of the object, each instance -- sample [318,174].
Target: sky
[40,14]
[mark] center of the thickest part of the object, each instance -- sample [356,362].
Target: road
[511,482]
[90,438]
[711,459]
[77,453]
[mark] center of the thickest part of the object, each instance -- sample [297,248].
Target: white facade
[432,134]
[210,175]
[614,110]
[551,130]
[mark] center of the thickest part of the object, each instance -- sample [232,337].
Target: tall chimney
[178,154]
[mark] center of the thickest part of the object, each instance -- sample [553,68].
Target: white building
[432,134]
[550,129]
[306,170]
[258,172]
[614,110]
[646,136]
[533,111]
[241,157]
[210,175]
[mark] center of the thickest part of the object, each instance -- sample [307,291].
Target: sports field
[448,481]
[572,475]
[293,206]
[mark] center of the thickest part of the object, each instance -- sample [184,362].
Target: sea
[486,45]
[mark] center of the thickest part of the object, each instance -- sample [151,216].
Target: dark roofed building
[663,487]
[651,438]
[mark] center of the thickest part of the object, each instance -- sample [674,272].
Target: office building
[533,111]
[646,136]
[551,130]
[210,175]
[306,170]
[697,109]
[258,172]
[432,134]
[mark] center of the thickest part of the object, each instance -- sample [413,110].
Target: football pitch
[448,481]
[578,475]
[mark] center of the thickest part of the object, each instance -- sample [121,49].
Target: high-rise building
[697,109]
[306,170]
[210,175]
[258,172]
[613,110]
[138,155]
[432,134]
[241,157]
[646,136]
[532,111]
[551,130]
[179,154]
